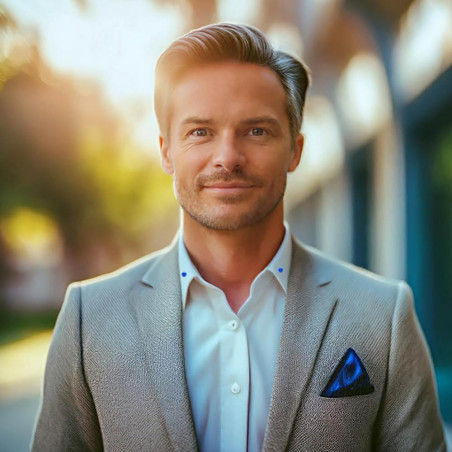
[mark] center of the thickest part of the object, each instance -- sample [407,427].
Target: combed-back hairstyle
[230,42]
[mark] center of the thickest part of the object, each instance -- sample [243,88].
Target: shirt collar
[279,266]
[187,269]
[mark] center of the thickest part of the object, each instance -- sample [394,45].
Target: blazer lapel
[159,318]
[309,307]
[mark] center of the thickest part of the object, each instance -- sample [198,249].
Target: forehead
[227,91]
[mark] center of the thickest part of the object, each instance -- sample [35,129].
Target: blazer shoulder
[354,283]
[127,275]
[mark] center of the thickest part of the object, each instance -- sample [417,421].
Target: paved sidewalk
[21,374]
[22,365]
[17,418]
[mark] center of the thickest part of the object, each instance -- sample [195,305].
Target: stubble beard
[221,217]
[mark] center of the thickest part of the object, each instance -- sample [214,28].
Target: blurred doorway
[360,169]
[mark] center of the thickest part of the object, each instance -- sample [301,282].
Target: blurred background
[81,190]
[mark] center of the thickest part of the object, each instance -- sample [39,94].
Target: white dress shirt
[230,359]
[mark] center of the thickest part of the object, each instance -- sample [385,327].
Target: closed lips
[227,185]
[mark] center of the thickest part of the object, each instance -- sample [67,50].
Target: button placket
[235,362]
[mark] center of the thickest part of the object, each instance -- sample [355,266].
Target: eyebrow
[196,120]
[261,119]
[251,121]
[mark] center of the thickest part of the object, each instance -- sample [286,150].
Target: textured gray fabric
[115,378]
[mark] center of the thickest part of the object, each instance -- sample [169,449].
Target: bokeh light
[112,43]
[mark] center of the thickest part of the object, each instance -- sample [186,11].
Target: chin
[228,221]
[230,216]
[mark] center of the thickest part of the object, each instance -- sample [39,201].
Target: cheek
[185,172]
[275,165]
[190,161]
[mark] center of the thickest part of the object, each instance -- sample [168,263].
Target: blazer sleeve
[67,418]
[409,416]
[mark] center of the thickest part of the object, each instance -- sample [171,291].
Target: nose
[228,153]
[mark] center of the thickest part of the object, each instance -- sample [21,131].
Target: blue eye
[257,131]
[199,132]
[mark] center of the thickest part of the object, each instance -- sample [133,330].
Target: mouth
[229,187]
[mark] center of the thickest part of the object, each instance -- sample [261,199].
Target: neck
[231,260]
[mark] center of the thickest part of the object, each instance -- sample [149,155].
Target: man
[236,337]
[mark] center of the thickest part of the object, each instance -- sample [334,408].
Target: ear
[296,153]
[166,161]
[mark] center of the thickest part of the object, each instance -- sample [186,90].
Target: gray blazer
[115,377]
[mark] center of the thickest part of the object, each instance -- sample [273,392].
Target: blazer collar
[159,318]
[309,308]
[164,265]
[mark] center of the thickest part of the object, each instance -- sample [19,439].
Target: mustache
[237,175]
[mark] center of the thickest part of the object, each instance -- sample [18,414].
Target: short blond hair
[230,42]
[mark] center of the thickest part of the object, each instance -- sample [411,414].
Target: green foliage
[442,169]
[100,192]
[127,188]
[18,325]
[97,189]
[8,69]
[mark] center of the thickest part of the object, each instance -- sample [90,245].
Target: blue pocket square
[350,378]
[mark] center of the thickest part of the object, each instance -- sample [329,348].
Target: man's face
[229,147]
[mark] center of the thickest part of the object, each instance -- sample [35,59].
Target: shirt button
[235,388]
[233,324]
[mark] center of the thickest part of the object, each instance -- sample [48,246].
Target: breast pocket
[344,409]
[335,424]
